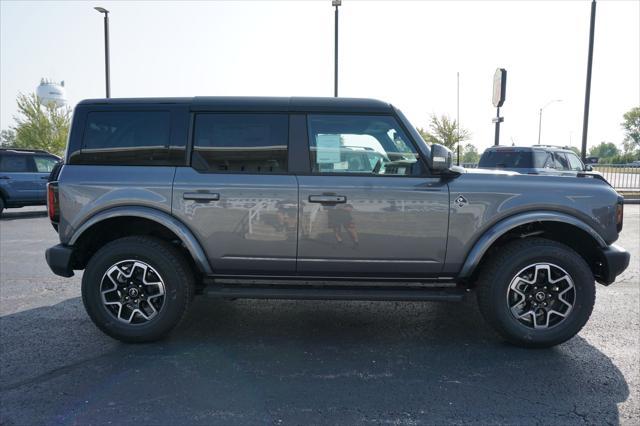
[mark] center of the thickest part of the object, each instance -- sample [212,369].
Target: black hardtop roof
[240,103]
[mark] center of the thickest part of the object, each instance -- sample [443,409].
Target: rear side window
[506,159]
[126,138]
[15,164]
[241,143]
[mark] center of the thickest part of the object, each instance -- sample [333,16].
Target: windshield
[512,159]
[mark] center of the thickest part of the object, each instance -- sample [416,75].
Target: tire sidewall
[583,281]
[174,303]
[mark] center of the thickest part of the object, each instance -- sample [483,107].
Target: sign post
[499,94]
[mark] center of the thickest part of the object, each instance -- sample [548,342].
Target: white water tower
[51,92]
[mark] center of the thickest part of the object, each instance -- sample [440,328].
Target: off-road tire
[164,258]
[504,264]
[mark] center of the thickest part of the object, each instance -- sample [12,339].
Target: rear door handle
[203,197]
[327,199]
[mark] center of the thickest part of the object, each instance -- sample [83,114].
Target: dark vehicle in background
[315,198]
[23,177]
[534,160]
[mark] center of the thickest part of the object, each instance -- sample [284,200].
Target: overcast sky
[406,53]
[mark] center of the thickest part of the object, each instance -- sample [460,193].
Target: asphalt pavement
[303,362]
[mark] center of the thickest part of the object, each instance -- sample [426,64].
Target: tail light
[53,203]
[619,214]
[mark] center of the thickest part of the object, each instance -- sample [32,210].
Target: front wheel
[137,289]
[536,292]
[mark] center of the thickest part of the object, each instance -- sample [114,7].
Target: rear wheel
[536,292]
[137,289]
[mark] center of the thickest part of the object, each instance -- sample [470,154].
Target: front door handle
[203,197]
[5,177]
[327,199]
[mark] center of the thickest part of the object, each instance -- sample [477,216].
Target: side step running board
[336,293]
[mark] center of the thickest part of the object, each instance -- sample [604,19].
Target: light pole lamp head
[336,3]
[101,10]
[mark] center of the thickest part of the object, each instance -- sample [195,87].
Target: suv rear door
[237,195]
[367,205]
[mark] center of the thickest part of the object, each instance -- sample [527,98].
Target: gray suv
[535,160]
[315,198]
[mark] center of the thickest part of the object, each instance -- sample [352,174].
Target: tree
[40,126]
[470,154]
[444,131]
[605,151]
[7,138]
[631,126]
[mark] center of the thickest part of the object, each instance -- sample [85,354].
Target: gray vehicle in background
[23,177]
[315,198]
[534,160]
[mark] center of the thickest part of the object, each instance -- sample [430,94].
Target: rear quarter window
[126,138]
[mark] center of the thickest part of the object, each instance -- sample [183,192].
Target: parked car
[534,160]
[23,177]
[289,198]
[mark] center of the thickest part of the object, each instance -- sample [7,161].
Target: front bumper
[59,260]
[615,260]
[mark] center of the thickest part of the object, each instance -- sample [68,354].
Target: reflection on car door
[386,221]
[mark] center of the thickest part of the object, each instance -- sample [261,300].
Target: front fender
[497,230]
[162,218]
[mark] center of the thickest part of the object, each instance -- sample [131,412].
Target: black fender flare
[165,219]
[490,236]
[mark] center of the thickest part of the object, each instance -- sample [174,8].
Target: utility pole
[106,48]
[587,94]
[458,113]
[335,3]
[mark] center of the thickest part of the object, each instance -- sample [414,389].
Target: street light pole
[335,3]
[540,117]
[106,49]
[587,93]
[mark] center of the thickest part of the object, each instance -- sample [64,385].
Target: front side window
[241,143]
[575,163]
[127,138]
[360,144]
[45,164]
[15,164]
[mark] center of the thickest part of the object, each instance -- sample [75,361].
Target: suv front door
[237,196]
[368,208]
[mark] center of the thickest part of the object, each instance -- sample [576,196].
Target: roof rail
[39,151]
[553,146]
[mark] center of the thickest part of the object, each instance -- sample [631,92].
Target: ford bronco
[315,198]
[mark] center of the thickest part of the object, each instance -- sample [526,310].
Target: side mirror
[441,158]
[588,168]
